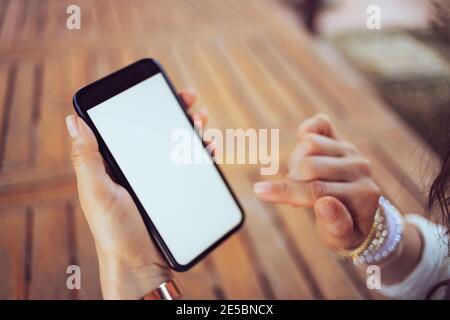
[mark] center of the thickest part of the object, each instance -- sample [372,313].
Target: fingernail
[72,125]
[198,123]
[262,187]
[204,111]
[197,117]
[327,210]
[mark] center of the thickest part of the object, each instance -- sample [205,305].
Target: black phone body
[105,106]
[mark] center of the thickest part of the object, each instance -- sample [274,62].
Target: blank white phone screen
[189,204]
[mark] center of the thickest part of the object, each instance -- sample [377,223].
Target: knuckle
[376,192]
[82,153]
[349,147]
[77,154]
[283,191]
[364,167]
[370,190]
[342,230]
[283,188]
[334,241]
[311,144]
[317,189]
[308,167]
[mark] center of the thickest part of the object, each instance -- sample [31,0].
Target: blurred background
[407,60]
[254,64]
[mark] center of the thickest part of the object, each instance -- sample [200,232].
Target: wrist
[396,268]
[384,239]
[121,280]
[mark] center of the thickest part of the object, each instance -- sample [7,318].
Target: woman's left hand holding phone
[129,262]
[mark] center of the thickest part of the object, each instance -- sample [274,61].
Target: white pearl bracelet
[388,235]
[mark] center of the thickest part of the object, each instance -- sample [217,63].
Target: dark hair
[440,19]
[439,191]
[439,196]
[440,188]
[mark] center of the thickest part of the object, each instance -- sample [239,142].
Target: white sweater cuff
[434,265]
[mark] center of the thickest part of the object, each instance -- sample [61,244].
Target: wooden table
[253,67]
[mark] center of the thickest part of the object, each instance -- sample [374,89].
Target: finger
[329,169]
[303,194]
[188,96]
[86,158]
[335,225]
[320,124]
[200,118]
[314,144]
[210,148]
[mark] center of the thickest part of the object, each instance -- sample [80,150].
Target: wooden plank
[12,253]
[21,122]
[28,29]
[150,17]
[294,101]
[40,25]
[48,32]
[105,17]
[320,74]
[228,89]
[10,22]
[17,148]
[89,22]
[298,80]
[212,93]
[236,270]
[4,6]
[123,17]
[86,255]
[250,101]
[327,271]
[50,253]
[7,82]
[267,94]
[44,189]
[273,257]
[134,15]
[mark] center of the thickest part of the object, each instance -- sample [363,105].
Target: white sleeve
[434,265]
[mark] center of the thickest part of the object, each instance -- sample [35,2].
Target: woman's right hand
[330,175]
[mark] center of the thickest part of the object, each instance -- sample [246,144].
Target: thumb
[335,224]
[86,158]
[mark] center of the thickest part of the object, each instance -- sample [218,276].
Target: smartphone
[188,209]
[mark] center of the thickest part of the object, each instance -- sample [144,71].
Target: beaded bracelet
[381,243]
